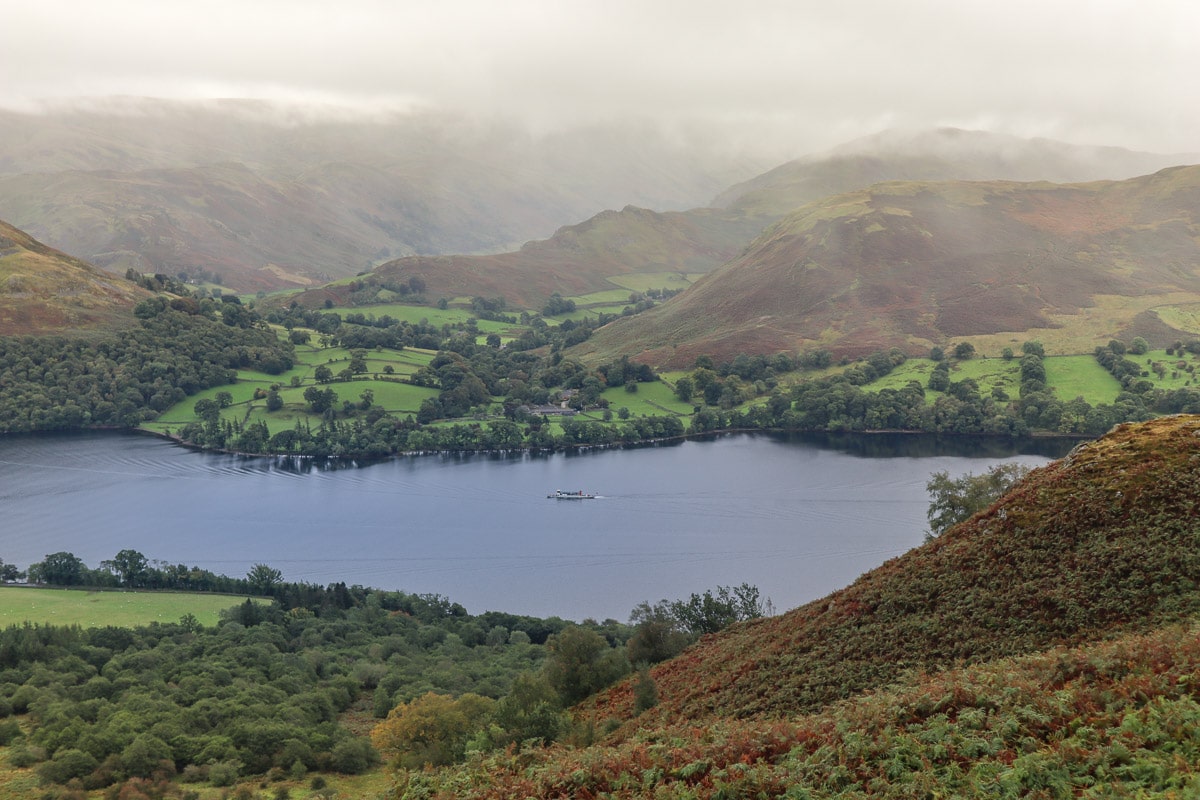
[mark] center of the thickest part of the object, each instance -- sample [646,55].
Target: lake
[796,516]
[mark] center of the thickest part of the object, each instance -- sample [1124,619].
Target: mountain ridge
[914,264]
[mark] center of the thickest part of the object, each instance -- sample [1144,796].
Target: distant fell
[578,258]
[45,291]
[940,154]
[1103,541]
[914,264]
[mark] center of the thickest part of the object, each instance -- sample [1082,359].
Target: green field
[645,281]
[391,394]
[1080,376]
[431,314]
[1176,367]
[651,399]
[91,609]
[606,297]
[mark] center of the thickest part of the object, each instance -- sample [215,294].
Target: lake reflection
[797,516]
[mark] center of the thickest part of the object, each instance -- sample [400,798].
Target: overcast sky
[804,74]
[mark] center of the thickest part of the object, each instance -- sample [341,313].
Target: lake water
[798,517]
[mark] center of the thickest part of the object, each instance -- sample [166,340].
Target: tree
[579,663]
[658,635]
[9,572]
[964,351]
[939,379]
[684,388]
[710,612]
[1138,346]
[129,566]
[432,729]
[320,400]
[58,569]
[645,691]
[954,500]
[263,579]
[531,711]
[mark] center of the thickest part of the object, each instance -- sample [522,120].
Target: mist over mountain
[268,197]
[939,154]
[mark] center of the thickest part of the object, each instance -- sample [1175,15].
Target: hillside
[270,197]
[1100,541]
[1064,618]
[911,265]
[578,258]
[45,291]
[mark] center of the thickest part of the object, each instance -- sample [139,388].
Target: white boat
[561,495]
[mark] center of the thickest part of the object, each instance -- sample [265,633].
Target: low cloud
[793,75]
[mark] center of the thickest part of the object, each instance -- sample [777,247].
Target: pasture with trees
[348,382]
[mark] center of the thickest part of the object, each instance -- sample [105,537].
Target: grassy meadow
[92,609]
[390,392]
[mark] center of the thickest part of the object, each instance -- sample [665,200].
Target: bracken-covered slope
[45,291]
[1047,647]
[910,265]
[1104,540]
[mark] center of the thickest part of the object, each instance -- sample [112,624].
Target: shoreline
[687,436]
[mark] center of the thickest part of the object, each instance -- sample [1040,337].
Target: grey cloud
[801,75]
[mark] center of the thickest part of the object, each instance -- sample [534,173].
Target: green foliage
[954,500]
[645,691]
[658,633]
[431,730]
[530,712]
[713,611]
[67,383]
[264,690]
[580,662]
[58,569]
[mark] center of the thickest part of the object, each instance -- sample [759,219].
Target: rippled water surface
[798,518]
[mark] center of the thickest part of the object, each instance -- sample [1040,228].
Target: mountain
[268,197]
[45,291]
[915,264]
[577,259]
[941,154]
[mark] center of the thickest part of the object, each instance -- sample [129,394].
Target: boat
[561,495]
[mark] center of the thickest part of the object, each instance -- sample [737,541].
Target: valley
[379,370]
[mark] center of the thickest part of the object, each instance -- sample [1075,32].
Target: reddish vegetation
[45,291]
[1046,645]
